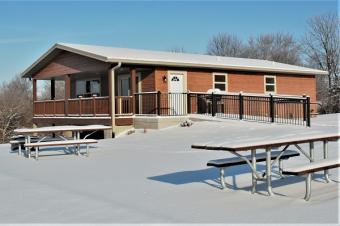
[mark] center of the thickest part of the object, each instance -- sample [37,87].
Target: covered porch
[102,96]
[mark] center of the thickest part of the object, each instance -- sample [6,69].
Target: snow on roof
[148,57]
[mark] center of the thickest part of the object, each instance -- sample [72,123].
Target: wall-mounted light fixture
[164,78]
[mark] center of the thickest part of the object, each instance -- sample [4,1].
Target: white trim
[226,82]
[139,82]
[184,63]
[265,84]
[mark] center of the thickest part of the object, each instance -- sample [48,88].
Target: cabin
[127,88]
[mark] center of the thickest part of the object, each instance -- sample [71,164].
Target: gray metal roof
[147,57]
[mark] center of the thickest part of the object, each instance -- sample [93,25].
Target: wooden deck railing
[255,107]
[123,105]
[92,106]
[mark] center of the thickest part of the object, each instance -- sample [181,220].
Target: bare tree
[321,45]
[45,93]
[15,106]
[278,47]
[224,44]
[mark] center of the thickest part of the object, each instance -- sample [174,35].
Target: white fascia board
[229,67]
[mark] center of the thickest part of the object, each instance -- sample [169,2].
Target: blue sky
[28,29]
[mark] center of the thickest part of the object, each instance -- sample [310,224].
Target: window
[220,82]
[270,84]
[87,88]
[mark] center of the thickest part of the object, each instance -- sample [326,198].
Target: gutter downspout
[112,88]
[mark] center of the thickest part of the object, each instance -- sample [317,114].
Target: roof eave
[61,46]
[26,73]
[229,67]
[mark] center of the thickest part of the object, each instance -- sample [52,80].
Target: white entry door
[177,98]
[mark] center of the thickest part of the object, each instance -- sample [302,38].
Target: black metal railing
[264,108]
[164,104]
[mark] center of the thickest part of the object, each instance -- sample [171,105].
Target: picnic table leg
[222,178]
[36,153]
[281,168]
[253,162]
[78,146]
[74,138]
[325,156]
[269,171]
[19,149]
[87,150]
[311,153]
[28,148]
[308,186]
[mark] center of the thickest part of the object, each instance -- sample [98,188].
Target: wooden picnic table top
[51,129]
[244,145]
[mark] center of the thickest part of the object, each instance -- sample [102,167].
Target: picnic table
[237,147]
[76,130]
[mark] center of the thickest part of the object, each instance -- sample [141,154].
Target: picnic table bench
[310,168]
[57,130]
[238,146]
[227,162]
[61,143]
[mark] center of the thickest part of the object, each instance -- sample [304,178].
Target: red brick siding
[148,81]
[248,83]
[199,81]
[296,85]
[202,80]
[160,85]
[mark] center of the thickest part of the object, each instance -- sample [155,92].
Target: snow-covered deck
[155,177]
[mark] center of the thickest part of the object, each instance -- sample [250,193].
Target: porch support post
[34,81]
[67,92]
[34,90]
[52,89]
[111,83]
[133,88]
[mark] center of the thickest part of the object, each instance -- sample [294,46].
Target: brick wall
[248,82]
[148,81]
[159,83]
[199,81]
[296,85]
[245,82]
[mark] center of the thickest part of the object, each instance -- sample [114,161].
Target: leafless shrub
[15,106]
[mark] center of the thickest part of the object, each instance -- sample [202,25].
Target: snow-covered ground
[155,177]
